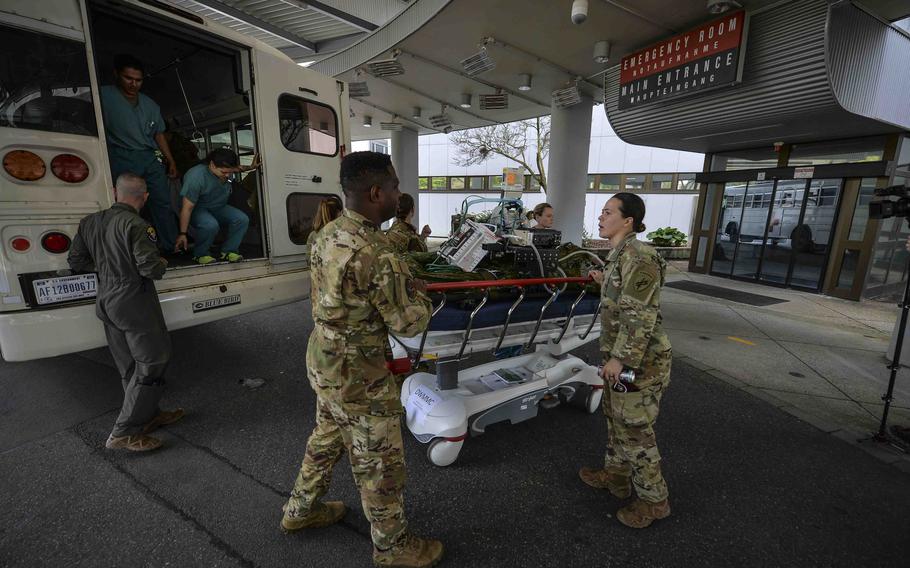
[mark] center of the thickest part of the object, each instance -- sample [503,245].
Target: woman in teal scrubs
[206,189]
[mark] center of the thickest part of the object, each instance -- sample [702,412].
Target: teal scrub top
[129,126]
[203,188]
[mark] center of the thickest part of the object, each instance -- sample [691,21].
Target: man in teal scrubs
[206,189]
[135,130]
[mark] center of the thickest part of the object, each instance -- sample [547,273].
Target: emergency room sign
[704,58]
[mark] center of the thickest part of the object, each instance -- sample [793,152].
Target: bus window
[308,127]
[44,83]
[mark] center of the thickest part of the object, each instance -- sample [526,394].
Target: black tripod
[882,435]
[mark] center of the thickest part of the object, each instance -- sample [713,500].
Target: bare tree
[526,142]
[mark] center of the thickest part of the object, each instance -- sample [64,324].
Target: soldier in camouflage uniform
[361,291]
[402,234]
[632,337]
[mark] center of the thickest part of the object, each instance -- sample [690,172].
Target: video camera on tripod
[886,208]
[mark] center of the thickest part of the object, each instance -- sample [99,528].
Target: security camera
[579,11]
[447,129]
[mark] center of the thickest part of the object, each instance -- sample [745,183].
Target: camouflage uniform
[404,238]
[632,333]
[361,291]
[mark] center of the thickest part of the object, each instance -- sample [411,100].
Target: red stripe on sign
[713,37]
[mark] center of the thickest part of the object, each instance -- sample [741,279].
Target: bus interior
[201,85]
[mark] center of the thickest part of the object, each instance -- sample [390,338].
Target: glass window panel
[861,211]
[708,214]
[634,182]
[307,127]
[456,183]
[758,158]
[301,209]
[848,269]
[811,238]
[898,265]
[438,183]
[686,182]
[728,228]
[881,259]
[495,182]
[609,182]
[44,83]
[661,181]
[752,229]
[592,182]
[423,183]
[838,152]
[476,182]
[782,226]
[903,159]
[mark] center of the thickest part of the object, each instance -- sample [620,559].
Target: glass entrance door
[777,232]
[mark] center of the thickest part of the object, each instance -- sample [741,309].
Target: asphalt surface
[749,484]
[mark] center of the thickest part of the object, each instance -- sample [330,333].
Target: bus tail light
[24,165]
[69,168]
[20,244]
[56,243]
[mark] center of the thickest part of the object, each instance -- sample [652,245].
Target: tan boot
[137,443]
[322,515]
[163,418]
[640,514]
[412,552]
[619,484]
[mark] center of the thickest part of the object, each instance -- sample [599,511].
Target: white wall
[607,155]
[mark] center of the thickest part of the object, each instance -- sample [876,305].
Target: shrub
[668,237]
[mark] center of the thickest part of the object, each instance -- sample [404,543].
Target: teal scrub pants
[206,223]
[145,164]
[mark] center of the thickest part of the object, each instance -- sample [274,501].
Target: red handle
[520,282]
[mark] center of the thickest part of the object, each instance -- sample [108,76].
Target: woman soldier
[402,234]
[632,337]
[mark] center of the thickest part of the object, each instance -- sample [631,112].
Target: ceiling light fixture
[721,6]
[602,52]
[465,100]
[367,121]
[525,82]
[415,113]
[478,63]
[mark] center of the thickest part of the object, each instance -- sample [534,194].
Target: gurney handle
[482,284]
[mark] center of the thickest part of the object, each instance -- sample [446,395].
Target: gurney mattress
[494,313]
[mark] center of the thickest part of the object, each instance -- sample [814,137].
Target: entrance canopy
[531,46]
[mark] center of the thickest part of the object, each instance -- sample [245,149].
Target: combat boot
[412,552]
[163,418]
[617,483]
[640,514]
[322,515]
[135,443]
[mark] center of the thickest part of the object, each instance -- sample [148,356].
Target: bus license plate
[53,290]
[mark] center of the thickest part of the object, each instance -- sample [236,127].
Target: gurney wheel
[442,452]
[592,403]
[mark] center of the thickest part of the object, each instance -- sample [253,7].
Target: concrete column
[404,158]
[567,178]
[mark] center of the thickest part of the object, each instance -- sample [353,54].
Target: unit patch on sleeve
[151,234]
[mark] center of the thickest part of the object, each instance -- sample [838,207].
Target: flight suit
[121,248]
[361,291]
[632,332]
[130,131]
[404,238]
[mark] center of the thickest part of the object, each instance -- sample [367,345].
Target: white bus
[216,88]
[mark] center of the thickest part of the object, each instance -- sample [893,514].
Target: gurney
[442,410]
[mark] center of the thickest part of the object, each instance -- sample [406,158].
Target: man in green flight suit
[361,291]
[120,247]
[135,129]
